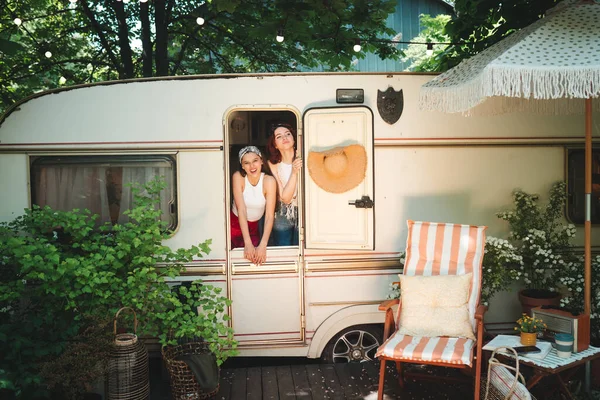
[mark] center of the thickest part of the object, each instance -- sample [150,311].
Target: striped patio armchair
[439,320]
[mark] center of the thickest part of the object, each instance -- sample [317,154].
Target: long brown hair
[274,155]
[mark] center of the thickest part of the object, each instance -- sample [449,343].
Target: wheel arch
[342,319]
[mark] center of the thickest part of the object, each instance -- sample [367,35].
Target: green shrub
[59,270]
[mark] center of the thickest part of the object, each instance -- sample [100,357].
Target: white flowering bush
[572,281]
[502,265]
[541,236]
[543,240]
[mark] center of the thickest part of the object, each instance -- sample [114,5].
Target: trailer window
[576,186]
[101,184]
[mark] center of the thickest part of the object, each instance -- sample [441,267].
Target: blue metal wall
[406,21]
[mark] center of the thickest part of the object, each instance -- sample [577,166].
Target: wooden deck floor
[319,381]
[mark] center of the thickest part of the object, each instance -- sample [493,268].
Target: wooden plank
[371,369]
[269,383]
[391,386]
[285,383]
[238,383]
[225,381]
[332,383]
[253,384]
[316,380]
[301,384]
[349,375]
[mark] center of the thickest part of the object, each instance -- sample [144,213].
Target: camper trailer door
[339,184]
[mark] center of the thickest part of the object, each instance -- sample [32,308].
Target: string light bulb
[200,21]
[429,50]
[125,1]
[279,36]
[357,47]
[17,21]
[143,1]
[48,54]
[72,1]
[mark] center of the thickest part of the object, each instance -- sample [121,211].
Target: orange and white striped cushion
[432,349]
[446,249]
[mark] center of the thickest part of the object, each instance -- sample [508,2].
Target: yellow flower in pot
[529,327]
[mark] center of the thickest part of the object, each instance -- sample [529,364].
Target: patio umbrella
[557,57]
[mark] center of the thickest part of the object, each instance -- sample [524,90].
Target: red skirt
[237,239]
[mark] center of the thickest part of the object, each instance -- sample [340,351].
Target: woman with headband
[254,195]
[285,167]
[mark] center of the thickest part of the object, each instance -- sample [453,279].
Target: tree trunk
[146,40]
[160,17]
[125,49]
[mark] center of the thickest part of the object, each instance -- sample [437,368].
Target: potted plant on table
[529,327]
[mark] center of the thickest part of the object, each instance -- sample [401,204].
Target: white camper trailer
[305,299]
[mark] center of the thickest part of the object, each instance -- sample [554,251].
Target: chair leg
[400,374]
[477,378]
[381,380]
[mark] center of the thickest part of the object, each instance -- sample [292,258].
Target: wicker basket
[504,382]
[128,367]
[184,385]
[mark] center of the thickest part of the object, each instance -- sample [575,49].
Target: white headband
[249,149]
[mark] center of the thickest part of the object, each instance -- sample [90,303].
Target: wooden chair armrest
[481,309]
[388,304]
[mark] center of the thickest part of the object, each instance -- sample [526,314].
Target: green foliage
[432,32]
[58,272]
[96,40]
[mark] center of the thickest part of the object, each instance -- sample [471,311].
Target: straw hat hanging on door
[339,169]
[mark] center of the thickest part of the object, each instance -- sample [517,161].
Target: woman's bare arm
[240,204]
[270,191]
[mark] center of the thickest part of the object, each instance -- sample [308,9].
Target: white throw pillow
[435,306]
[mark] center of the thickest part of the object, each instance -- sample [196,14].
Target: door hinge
[302,322]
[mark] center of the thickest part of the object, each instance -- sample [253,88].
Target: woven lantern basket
[504,382]
[184,385]
[128,368]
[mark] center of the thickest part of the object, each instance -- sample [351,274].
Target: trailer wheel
[357,343]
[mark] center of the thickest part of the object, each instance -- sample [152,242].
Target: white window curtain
[143,175]
[69,187]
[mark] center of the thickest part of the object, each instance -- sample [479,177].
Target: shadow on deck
[316,381]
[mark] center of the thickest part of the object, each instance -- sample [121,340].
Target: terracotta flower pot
[531,298]
[528,339]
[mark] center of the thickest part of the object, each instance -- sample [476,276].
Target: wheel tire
[356,343]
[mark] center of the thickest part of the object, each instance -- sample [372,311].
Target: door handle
[363,202]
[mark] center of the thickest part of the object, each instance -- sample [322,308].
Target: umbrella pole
[588,206]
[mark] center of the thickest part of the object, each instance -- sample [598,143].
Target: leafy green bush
[59,270]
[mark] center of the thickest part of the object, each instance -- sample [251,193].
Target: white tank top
[254,198]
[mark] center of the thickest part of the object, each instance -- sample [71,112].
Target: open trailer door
[339,198]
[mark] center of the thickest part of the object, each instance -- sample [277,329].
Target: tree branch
[86,11]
